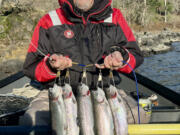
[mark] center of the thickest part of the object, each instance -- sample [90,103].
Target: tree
[176,6]
[165,5]
[0,3]
[144,12]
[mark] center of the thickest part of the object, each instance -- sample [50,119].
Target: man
[82,31]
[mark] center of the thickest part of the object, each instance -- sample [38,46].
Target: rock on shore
[156,42]
[25,5]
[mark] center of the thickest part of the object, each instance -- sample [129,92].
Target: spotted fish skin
[118,110]
[71,110]
[57,109]
[102,112]
[85,110]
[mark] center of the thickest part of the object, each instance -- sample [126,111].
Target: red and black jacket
[83,36]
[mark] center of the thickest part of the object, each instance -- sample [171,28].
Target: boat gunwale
[156,87]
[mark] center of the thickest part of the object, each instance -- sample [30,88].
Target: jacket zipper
[83,19]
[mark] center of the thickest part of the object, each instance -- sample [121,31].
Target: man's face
[84,5]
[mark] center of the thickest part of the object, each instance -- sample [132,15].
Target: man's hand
[112,61]
[60,62]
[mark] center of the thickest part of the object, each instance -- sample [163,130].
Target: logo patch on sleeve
[69,33]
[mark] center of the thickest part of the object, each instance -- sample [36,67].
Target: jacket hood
[99,11]
[61,2]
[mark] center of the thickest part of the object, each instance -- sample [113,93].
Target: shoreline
[152,43]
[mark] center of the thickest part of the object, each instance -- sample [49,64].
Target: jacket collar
[100,10]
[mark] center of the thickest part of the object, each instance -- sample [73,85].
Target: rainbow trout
[71,110]
[58,116]
[102,112]
[85,108]
[118,111]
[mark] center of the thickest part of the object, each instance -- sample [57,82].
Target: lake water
[164,68]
